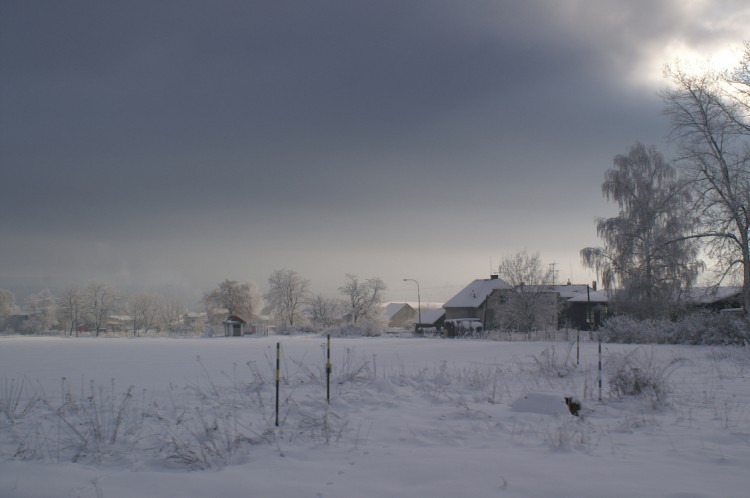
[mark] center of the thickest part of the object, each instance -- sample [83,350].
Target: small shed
[234,326]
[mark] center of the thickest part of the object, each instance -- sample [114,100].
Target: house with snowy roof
[398,314]
[574,306]
[581,306]
[407,315]
[472,301]
[714,298]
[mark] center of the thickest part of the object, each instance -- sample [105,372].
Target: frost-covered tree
[42,308]
[99,300]
[7,306]
[287,291]
[68,309]
[710,114]
[170,313]
[230,297]
[530,304]
[645,254]
[144,311]
[324,311]
[362,297]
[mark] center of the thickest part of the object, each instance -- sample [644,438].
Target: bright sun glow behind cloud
[720,58]
[700,35]
[639,38]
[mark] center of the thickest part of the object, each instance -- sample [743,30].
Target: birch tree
[710,115]
[645,253]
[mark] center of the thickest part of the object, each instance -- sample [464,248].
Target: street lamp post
[419,302]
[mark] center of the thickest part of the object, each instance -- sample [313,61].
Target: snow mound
[544,403]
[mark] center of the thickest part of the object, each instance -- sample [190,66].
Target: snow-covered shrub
[550,363]
[352,367]
[15,401]
[640,373]
[209,425]
[359,329]
[99,424]
[208,438]
[486,383]
[483,382]
[627,330]
[319,424]
[567,434]
[294,330]
[695,328]
[711,329]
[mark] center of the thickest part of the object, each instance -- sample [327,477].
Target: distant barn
[397,314]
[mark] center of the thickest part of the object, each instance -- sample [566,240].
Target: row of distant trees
[289,302]
[74,309]
[673,213]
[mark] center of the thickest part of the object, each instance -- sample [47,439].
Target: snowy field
[408,417]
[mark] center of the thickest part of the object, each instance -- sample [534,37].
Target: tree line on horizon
[289,302]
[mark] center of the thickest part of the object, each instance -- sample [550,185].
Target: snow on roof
[390,309]
[568,291]
[432,315]
[427,305]
[575,293]
[592,296]
[474,294]
[708,295]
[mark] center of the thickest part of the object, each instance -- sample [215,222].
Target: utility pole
[419,302]
[553,272]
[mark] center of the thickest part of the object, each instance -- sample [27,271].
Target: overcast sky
[173,144]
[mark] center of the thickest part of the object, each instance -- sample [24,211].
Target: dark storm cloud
[124,121]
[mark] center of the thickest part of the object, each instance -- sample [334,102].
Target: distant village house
[555,306]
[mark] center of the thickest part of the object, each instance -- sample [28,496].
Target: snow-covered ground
[408,417]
